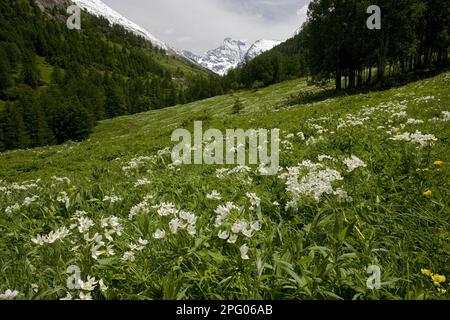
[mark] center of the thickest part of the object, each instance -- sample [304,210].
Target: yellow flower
[437,278]
[438,163]
[428,193]
[426,272]
[442,291]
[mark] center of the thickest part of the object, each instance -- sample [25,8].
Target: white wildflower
[214,195]
[102,285]
[85,296]
[142,182]
[354,163]
[63,198]
[9,295]
[224,235]
[143,242]
[13,208]
[159,234]
[232,239]
[30,200]
[244,252]
[325,157]
[128,256]
[166,209]
[68,297]
[112,199]
[254,200]
[88,285]
[422,140]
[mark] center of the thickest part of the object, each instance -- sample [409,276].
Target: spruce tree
[30,72]
[5,71]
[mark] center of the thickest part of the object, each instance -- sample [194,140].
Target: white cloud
[200,25]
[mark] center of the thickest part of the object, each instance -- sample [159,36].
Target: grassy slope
[320,251]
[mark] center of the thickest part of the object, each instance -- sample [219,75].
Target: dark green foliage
[72,121]
[414,36]
[283,62]
[237,106]
[335,43]
[5,71]
[30,72]
[99,72]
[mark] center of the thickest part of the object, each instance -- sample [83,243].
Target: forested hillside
[55,83]
[336,44]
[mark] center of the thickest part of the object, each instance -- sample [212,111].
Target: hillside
[55,83]
[364,180]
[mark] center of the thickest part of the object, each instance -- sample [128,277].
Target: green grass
[173,65]
[318,250]
[45,69]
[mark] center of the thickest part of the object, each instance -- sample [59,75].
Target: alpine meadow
[94,204]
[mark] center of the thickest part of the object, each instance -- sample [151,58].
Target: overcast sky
[200,25]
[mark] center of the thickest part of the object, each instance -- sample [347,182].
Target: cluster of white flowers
[98,247]
[52,237]
[86,288]
[130,255]
[239,169]
[214,195]
[425,99]
[24,187]
[254,200]
[414,121]
[287,145]
[9,189]
[241,226]
[422,140]
[319,129]
[401,114]
[354,163]
[301,136]
[230,227]
[322,158]
[61,180]
[30,200]
[313,140]
[112,199]
[111,226]
[180,220]
[9,294]
[290,136]
[445,117]
[15,207]
[310,179]
[63,198]
[135,163]
[351,121]
[223,211]
[142,182]
[221,173]
[141,208]
[164,152]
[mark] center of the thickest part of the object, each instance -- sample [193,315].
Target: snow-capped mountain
[222,59]
[190,55]
[259,47]
[99,9]
[230,54]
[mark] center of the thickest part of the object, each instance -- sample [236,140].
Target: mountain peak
[100,9]
[230,54]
